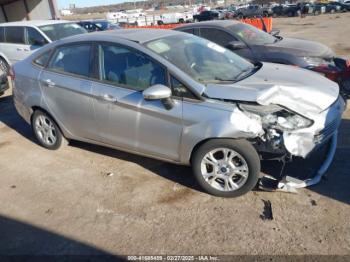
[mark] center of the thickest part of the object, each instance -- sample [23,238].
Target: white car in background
[20,39]
[174,18]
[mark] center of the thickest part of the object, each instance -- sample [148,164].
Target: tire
[46,131]
[240,16]
[4,66]
[160,22]
[181,21]
[245,160]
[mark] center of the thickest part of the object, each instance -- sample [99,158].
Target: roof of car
[217,23]
[35,23]
[135,35]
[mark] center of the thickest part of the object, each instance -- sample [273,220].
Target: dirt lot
[64,202]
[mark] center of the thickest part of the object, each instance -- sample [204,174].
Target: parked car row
[309,8]
[275,11]
[219,96]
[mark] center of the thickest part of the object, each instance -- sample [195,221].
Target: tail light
[11,74]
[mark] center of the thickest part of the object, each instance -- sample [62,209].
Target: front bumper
[304,141]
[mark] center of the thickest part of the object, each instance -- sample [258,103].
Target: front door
[124,118]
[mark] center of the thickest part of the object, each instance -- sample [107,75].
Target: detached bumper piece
[291,184]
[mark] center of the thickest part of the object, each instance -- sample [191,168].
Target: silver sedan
[176,97]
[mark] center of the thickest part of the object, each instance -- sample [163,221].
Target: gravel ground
[64,202]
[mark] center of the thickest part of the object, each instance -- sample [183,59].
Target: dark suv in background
[206,16]
[98,25]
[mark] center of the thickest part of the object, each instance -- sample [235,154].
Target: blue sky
[82,3]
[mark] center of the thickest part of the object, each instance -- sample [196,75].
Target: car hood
[302,47]
[302,91]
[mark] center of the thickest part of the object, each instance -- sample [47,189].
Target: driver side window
[129,68]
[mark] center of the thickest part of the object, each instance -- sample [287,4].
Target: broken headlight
[274,116]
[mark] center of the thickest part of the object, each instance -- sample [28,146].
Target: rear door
[66,85]
[14,46]
[125,119]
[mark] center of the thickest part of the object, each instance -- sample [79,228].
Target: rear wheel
[226,167]
[46,131]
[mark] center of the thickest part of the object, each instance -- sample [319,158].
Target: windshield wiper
[225,80]
[235,78]
[239,76]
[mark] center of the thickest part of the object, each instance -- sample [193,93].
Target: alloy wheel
[224,169]
[45,130]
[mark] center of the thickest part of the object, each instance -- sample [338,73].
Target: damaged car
[257,45]
[179,98]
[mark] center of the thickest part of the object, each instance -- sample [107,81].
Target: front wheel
[226,167]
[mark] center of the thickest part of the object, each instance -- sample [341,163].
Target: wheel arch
[64,132]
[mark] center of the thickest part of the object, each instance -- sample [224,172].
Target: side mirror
[159,92]
[234,45]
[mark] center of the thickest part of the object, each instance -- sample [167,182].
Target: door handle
[19,49]
[49,83]
[108,98]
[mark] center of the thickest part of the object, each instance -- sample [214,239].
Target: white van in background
[20,39]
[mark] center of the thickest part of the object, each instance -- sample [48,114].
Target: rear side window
[42,59]
[73,59]
[217,36]
[2,34]
[14,34]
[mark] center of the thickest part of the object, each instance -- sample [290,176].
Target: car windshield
[252,35]
[204,61]
[59,31]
